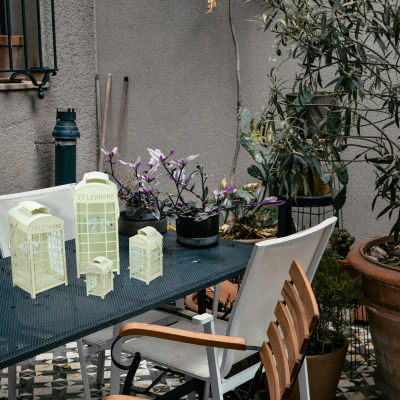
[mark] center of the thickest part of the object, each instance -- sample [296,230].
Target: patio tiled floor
[56,375]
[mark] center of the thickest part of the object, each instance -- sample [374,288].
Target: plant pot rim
[193,218]
[373,269]
[124,214]
[345,346]
[16,40]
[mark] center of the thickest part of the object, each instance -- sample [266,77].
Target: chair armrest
[180,335]
[202,319]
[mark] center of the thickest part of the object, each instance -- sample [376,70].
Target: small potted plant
[249,215]
[139,193]
[336,296]
[197,220]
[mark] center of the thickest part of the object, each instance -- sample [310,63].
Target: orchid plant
[189,200]
[139,190]
[248,213]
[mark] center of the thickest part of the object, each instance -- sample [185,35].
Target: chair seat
[122,397]
[181,357]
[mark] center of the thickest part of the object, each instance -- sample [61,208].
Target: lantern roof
[29,211]
[150,233]
[95,178]
[100,264]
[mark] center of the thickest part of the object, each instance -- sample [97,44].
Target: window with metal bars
[27,41]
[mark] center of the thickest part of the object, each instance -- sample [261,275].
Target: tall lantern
[37,248]
[145,255]
[96,220]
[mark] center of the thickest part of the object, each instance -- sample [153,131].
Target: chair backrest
[297,318]
[59,199]
[266,272]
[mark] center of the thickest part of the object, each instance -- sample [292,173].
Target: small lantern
[99,277]
[37,248]
[96,220]
[145,254]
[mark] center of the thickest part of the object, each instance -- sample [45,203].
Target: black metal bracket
[45,79]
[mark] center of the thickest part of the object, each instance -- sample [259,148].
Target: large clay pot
[381,288]
[227,290]
[324,372]
[17,54]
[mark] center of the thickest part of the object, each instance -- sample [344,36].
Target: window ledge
[23,85]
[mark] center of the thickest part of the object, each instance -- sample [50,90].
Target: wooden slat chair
[296,318]
[266,272]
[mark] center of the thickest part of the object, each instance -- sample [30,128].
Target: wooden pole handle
[104,123]
[122,118]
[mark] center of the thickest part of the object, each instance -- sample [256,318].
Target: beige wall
[25,119]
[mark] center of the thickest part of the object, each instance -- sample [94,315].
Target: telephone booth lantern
[37,248]
[99,277]
[146,255]
[96,220]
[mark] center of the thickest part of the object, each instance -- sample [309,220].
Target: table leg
[12,382]
[83,369]
[202,301]
[115,372]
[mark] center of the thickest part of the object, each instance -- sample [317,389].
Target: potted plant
[336,295]
[357,44]
[290,163]
[249,216]
[197,218]
[139,193]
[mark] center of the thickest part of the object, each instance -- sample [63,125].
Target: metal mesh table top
[32,326]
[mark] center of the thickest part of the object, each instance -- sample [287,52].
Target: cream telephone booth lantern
[96,220]
[145,255]
[37,248]
[99,277]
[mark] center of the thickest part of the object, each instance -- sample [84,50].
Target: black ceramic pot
[129,225]
[200,234]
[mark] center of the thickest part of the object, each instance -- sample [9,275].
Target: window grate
[38,59]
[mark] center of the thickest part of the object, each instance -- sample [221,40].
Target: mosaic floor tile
[56,375]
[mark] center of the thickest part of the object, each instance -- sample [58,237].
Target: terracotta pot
[17,53]
[129,226]
[227,289]
[324,372]
[381,288]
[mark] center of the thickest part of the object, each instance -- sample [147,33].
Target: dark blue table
[63,314]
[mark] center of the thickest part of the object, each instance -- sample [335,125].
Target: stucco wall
[25,119]
[180,62]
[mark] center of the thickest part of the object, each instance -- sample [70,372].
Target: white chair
[59,200]
[289,335]
[266,272]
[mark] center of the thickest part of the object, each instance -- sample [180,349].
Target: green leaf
[255,172]
[342,173]
[347,124]
[323,23]
[247,143]
[245,120]
[340,199]
[245,195]
[359,125]
[205,192]
[361,52]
